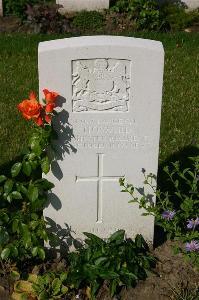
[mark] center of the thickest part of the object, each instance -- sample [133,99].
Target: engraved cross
[99,179]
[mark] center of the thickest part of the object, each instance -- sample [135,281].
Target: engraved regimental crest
[100,85]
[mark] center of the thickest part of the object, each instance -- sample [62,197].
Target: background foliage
[18,7]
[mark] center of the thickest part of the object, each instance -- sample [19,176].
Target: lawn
[180,110]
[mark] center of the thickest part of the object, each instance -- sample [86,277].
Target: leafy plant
[117,260]
[174,16]
[176,210]
[18,7]
[51,286]
[23,192]
[145,13]
[88,20]
[45,18]
[43,287]
[156,15]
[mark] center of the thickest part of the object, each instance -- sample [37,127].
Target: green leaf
[8,186]
[26,236]
[63,276]
[43,296]
[107,275]
[41,253]
[23,189]
[100,260]
[45,165]
[56,285]
[26,168]
[34,216]
[35,146]
[117,236]
[4,218]
[34,164]
[31,156]
[94,239]
[9,198]
[14,275]
[16,168]
[2,178]
[4,236]
[16,195]
[64,289]
[14,251]
[34,251]
[5,253]
[140,242]
[20,296]
[15,225]
[1,190]
[113,287]
[45,184]
[33,193]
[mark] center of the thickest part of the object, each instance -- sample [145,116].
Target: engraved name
[113,134]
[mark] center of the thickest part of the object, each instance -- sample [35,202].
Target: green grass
[180,110]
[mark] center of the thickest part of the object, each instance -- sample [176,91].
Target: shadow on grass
[163,184]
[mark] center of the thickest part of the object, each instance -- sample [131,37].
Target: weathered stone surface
[78,5]
[192,4]
[1,7]
[108,127]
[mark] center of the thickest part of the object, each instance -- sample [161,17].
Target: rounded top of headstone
[103,40]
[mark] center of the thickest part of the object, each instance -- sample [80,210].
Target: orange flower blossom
[50,97]
[49,107]
[32,109]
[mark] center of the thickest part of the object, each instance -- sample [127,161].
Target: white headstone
[1,7]
[192,4]
[78,5]
[112,91]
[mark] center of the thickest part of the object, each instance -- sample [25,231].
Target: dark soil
[171,276]
[9,24]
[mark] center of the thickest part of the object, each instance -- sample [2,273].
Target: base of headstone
[1,8]
[79,5]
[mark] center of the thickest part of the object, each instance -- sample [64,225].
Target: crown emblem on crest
[100,85]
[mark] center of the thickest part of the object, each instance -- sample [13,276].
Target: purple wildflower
[168,214]
[192,223]
[192,246]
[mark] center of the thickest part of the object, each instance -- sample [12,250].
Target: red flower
[48,118]
[32,96]
[49,107]
[50,96]
[30,109]
[39,121]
